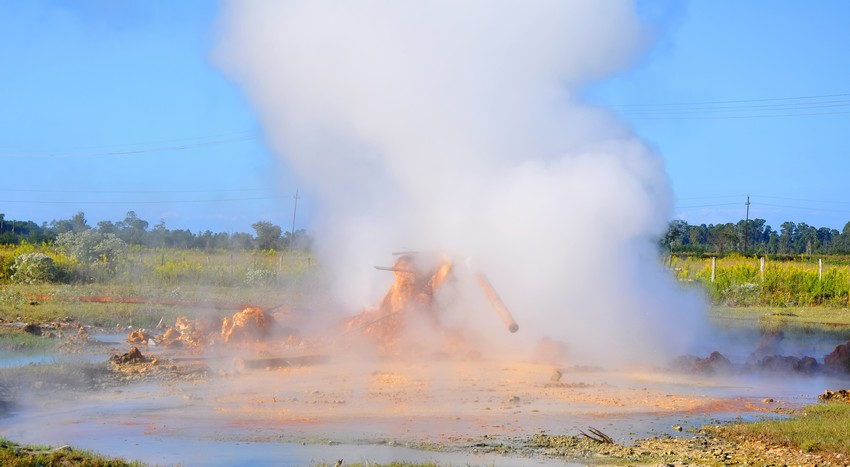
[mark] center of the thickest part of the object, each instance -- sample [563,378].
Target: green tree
[698,235]
[676,235]
[773,243]
[107,227]
[132,229]
[241,241]
[77,223]
[826,238]
[268,235]
[805,238]
[299,241]
[786,237]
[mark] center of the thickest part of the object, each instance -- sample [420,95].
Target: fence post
[713,267]
[761,267]
[820,268]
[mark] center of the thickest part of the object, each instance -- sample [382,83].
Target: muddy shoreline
[458,410]
[217,404]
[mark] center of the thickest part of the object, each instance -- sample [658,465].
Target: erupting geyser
[458,127]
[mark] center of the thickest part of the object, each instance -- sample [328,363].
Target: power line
[129,152]
[804,200]
[707,205]
[221,200]
[803,208]
[796,106]
[736,101]
[25,190]
[708,197]
[734,117]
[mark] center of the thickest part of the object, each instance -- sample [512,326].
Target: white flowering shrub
[33,268]
[255,277]
[91,247]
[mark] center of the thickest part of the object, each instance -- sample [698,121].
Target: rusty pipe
[496,301]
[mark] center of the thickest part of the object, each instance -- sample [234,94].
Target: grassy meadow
[173,282]
[797,282]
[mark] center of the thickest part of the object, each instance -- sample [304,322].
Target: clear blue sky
[108,106]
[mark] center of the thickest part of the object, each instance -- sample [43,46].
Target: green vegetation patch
[821,427]
[18,340]
[391,464]
[14,454]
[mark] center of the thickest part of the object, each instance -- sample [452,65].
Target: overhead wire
[219,200]
[177,145]
[795,106]
[755,202]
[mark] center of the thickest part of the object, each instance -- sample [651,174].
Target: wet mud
[264,403]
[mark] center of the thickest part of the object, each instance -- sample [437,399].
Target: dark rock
[839,359]
[767,345]
[780,363]
[133,356]
[716,363]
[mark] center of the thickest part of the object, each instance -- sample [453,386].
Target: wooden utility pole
[294,210]
[747,225]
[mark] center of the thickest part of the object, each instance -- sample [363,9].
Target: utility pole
[747,225]
[294,210]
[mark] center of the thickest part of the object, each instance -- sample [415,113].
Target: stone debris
[131,357]
[841,395]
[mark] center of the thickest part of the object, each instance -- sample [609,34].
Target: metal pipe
[496,301]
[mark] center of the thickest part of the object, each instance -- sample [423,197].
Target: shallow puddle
[452,412]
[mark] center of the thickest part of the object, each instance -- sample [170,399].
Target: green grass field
[820,427]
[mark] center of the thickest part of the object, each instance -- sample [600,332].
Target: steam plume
[455,126]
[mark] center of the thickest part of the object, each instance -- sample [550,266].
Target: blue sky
[114,106]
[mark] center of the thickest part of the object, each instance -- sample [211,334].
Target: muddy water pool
[447,411]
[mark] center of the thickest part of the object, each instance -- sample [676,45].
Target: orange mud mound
[410,298]
[138,336]
[249,325]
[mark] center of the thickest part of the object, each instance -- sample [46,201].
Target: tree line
[136,231]
[758,237]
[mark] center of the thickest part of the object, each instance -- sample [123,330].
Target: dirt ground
[476,406]
[516,408]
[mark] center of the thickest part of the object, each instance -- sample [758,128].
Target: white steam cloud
[455,126]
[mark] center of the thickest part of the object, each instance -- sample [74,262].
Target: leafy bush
[99,254]
[33,268]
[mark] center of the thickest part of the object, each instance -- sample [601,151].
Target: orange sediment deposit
[194,334]
[138,336]
[249,325]
[410,295]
